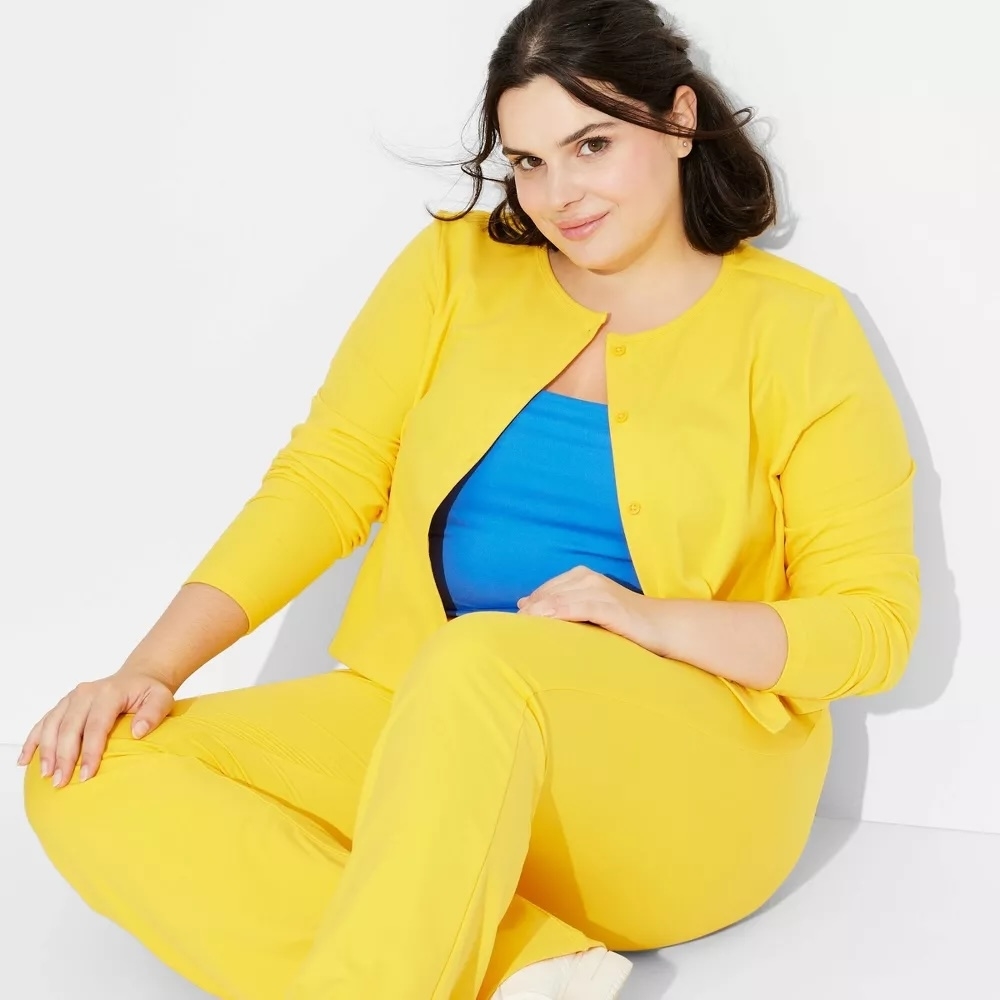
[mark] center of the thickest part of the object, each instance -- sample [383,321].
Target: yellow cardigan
[758,452]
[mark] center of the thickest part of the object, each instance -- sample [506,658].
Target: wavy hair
[727,188]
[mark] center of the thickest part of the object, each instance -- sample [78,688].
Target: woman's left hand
[581,595]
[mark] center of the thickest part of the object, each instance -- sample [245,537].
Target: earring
[684,143]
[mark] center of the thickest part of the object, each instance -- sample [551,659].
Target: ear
[685,114]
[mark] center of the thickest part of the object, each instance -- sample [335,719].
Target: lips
[583,229]
[570,227]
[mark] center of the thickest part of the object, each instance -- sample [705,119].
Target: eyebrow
[568,141]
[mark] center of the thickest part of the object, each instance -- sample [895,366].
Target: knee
[473,648]
[59,811]
[478,629]
[459,637]
[42,802]
[74,808]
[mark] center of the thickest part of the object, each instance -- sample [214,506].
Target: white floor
[872,911]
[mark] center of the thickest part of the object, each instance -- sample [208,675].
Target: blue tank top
[541,501]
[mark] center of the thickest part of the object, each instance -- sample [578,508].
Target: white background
[196,198]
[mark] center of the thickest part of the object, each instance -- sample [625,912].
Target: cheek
[530,197]
[646,183]
[527,195]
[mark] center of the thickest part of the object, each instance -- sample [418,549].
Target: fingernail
[56,778]
[140,729]
[84,773]
[46,768]
[21,759]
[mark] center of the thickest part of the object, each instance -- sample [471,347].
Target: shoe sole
[599,976]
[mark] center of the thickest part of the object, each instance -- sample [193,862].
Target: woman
[645,506]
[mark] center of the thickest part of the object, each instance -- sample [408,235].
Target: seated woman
[645,512]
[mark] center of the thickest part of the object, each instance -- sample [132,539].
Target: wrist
[136,666]
[656,624]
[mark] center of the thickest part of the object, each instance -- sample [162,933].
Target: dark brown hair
[726,184]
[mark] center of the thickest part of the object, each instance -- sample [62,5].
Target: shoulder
[776,280]
[793,308]
[810,343]
[466,251]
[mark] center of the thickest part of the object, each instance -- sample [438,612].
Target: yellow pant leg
[628,796]
[219,839]
[668,812]
[663,812]
[443,826]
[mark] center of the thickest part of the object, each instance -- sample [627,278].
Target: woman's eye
[526,164]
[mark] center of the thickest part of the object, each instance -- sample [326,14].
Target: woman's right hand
[78,727]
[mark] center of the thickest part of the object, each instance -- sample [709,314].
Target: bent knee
[76,804]
[498,632]
[469,644]
[42,801]
[475,626]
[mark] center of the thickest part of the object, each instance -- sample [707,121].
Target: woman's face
[566,172]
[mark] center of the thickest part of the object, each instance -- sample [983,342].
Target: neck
[665,265]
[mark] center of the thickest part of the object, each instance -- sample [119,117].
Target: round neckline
[560,295]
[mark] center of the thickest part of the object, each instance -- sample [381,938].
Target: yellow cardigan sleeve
[330,483]
[854,593]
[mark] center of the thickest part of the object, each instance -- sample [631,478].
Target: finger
[540,601]
[31,743]
[151,713]
[100,720]
[549,604]
[591,583]
[585,605]
[70,735]
[577,609]
[47,739]
[572,576]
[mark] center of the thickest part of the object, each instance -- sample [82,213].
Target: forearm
[743,641]
[198,624]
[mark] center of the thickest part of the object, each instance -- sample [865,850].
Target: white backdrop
[196,201]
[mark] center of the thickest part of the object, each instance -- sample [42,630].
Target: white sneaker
[595,974]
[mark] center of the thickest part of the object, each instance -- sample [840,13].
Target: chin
[592,255]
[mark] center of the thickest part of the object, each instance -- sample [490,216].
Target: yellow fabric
[533,788]
[760,434]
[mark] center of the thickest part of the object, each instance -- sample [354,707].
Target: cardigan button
[634,508]
[621,416]
[619,349]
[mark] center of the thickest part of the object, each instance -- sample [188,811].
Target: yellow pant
[535,787]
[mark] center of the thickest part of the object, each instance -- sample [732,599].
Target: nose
[564,188]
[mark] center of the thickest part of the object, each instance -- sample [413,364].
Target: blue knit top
[541,501]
